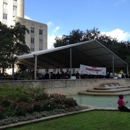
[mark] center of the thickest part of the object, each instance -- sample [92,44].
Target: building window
[40,41]
[32,40]
[14,8]
[32,49]
[40,32]
[32,30]
[40,44]
[5,5]
[4,16]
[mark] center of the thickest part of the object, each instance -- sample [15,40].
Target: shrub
[37,106]
[49,105]
[41,96]
[70,102]
[2,116]
[10,110]
[22,75]
[5,103]
[23,97]
[21,108]
[19,101]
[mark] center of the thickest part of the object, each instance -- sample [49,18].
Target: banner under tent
[91,70]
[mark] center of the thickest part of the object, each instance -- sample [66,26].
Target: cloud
[26,17]
[51,41]
[52,34]
[118,34]
[50,24]
[56,29]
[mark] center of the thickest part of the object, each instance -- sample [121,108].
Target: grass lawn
[92,120]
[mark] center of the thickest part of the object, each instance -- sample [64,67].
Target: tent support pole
[113,65]
[70,61]
[35,67]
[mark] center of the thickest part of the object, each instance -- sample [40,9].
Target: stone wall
[64,86]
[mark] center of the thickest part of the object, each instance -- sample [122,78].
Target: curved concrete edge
[102,108]
[105,94]
[90,108]
[107,109]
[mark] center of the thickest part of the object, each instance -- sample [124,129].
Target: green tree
[61,41]
[91,34]
[12,43]
[73,37]
[76,36]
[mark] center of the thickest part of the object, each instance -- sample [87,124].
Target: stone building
[12,11]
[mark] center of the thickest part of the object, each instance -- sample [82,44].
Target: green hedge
[20,101]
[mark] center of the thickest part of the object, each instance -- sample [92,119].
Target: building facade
[12,11]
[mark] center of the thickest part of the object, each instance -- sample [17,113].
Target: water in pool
[99,101]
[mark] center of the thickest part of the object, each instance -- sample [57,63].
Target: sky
[111,17]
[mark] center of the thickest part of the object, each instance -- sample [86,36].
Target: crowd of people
[58,75]
[77,75]
[119,76]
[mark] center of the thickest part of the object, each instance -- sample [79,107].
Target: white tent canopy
[91,53]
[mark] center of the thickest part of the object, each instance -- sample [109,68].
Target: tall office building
[12,11]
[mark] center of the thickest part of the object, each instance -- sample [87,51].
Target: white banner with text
[92,70]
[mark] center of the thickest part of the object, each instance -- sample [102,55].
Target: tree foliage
[12,43]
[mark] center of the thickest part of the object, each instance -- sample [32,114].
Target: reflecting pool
[99,101]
